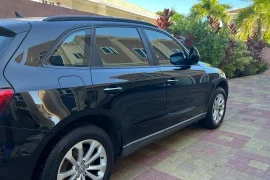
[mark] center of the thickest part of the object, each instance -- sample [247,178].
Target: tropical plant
[177,17]
[255,19]
[235,57]
[211,9]
[163,21]
[256,47]
[198,33]
[240,62]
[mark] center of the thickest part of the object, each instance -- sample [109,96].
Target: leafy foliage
[256,51]
[197,33]
[255,19]
[177,17]
[214,24]
[211,8]
[233,30]
[256,47]
[220,45]
[163,21]
[240,59]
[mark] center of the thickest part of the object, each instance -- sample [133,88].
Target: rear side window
[120,46]
[74,50]
[5,38]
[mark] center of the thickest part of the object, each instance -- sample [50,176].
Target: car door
[186,85]
[130,89]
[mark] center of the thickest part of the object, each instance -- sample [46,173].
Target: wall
[29,8]
[116,8]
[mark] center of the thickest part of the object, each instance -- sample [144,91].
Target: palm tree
[211,9]
[254,19]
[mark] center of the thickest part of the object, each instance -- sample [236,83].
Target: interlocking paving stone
[238,150]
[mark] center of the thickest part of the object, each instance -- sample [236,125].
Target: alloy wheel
[218,108]
[86,160]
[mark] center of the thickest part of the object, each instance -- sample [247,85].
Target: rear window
[5,37]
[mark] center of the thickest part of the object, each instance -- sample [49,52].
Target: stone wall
[29,8]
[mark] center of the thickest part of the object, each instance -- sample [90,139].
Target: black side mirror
[178,59]
[57,61]
[194,56]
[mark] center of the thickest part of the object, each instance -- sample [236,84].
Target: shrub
[219,48]
[198,33]
[243,63]
[240,61]
[256,50]
[256,47]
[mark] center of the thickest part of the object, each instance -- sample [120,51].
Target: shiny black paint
[186,97]
[139,109]
[48,99]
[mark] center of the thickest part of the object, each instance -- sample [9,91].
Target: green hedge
[215,49]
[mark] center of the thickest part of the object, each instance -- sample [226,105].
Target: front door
[186,85]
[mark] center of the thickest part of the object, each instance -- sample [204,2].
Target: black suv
[77,92]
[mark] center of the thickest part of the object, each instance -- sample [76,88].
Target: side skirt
[135,145]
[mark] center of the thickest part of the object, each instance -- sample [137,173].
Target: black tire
[54,160]
[208,121]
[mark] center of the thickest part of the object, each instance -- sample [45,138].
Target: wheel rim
[218,108]
[87,160]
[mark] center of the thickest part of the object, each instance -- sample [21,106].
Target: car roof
[75,18]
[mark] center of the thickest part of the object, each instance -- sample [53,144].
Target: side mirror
[57,61]
[194,56]
[178,59]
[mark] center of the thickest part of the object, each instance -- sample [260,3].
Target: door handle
[113,90]
[172,80]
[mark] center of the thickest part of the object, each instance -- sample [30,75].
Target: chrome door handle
[113,90]
[172,80]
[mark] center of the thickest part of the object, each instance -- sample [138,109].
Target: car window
[5,38]
[163,46]
[74,50]
[120,46]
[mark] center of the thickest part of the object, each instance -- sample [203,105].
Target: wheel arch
[223,83]
[100,121]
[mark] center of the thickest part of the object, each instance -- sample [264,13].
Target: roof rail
[94,18]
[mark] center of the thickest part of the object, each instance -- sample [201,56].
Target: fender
[215,83]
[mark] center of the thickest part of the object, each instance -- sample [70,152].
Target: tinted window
[119,46]
[163,46]
[5,37]
[74,50]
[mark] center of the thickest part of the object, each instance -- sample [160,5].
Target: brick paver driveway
[239,149]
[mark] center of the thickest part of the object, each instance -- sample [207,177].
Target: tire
[209,121]
[89,136]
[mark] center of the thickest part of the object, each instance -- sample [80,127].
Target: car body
[134,102]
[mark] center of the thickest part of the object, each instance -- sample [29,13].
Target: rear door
[130,89]
[186,85]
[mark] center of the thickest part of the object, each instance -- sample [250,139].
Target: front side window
[120,46]
[74,50]
[163,46]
